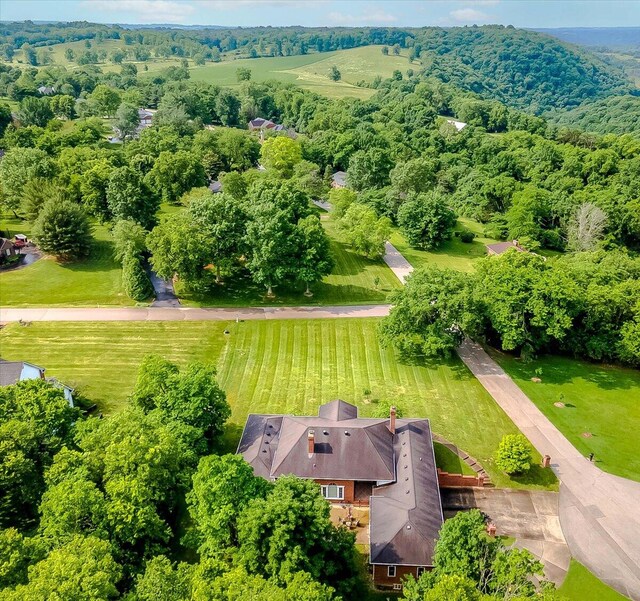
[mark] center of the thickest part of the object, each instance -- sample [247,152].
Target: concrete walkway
[599,512]
[8,315]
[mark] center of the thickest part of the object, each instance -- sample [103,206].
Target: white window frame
[421,570]
[391,571]
[397,586]
[339,492]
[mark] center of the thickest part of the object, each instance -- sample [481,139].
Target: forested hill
[616,115]
[524,69]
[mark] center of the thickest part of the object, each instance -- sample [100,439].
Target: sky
[310,13]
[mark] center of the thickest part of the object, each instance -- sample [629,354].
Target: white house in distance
[459,125]
[12,372]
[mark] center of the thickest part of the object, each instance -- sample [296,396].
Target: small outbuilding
[339,179]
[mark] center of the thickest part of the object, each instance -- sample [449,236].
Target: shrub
[467,236]
[135,280]
[514,454]
[63,230]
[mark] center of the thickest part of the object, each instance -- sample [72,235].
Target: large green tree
[62,229]
[173,174]
[128,197]
[364,230]
[17,167]
[426,220]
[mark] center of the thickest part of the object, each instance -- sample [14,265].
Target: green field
[453,253]
[289,366]
[94,282]
[448,461]
[581,585]
[310,71]
[601,400]
[354,280]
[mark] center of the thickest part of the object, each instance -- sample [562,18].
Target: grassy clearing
[581,585]
[310,70]
[288,366]
[599,399]
[448,461]
[454,253]
[354,280]
[94,282]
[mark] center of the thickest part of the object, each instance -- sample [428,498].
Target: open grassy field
[354,280]
[94,282]
[288,366]
[603,401]
[581,585]
[454,253]
[310,70]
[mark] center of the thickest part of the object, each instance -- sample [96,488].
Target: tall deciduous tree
[35,111]
[126,121]
[18,166]
[173,174]
[314,254]
[281,154]
[426,220]
[364,230]
[128,197]
[223,486]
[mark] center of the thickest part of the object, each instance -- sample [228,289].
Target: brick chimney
[311,441]
[392,420]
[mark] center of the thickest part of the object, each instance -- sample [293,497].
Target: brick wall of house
[349,489]
[381,580]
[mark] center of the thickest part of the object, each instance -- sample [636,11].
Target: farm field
[603,401]
[276,367]
[581,585]
[310,71]
[354,280]
[94,282]
[453,254]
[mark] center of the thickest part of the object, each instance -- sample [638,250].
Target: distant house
[215,186]
[459,125]
[146,118]
[339,179]
[502,247]
[262,125]
[387,464]
[12,372]
[46,90]
[7,249]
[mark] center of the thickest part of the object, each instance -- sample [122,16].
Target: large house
[387,464]
[500,248]
[12,372]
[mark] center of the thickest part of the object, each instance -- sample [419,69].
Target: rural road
[8,315]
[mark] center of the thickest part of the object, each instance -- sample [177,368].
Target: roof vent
[346,433]
[408,526]
[264,450]
[404,454]
[408,491]
[268,433]
[406,479]
[325,432]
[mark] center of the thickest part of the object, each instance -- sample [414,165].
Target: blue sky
[521,13]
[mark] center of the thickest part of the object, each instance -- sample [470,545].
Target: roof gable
[338,410]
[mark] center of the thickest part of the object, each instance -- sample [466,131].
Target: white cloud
[376,17]
[468,15]
[145,11]
[234,4]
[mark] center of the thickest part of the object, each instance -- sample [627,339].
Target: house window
[420,571]
[391,571]
[397,587]
[333,492]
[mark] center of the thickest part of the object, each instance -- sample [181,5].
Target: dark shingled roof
[406,511]
[501,247]
[406,515]
[10,372]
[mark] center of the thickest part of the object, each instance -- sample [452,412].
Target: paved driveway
[599,512]
[531,517]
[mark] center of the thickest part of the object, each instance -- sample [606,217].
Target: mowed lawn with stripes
[287,366]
